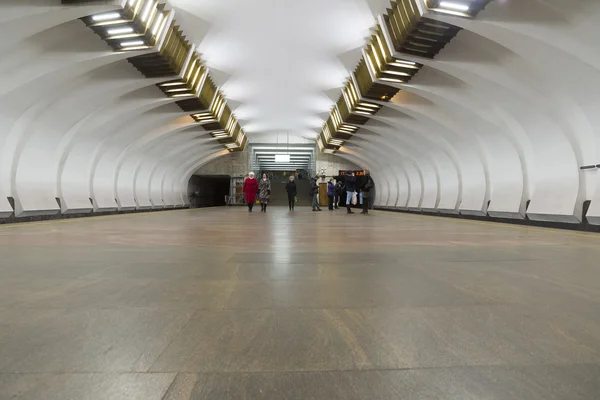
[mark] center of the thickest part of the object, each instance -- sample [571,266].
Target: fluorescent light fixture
[206,121]
[363,113]
[172,84]
[178,90]
[132,43]
[120,31]
[283,158]
[405,62]
[454,6]
[363,104]
[147,9]
[396,73]
[135,48]
[391,80]
[106,17]
[182,95]
[158,23]
[369,110]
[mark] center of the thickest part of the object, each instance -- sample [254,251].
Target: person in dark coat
[314,192]
[339,189]
[330,194]
[366,192]
[292,192]
[250,189]
[350,190]
[264,192]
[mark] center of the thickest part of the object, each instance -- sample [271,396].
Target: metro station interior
[131,268]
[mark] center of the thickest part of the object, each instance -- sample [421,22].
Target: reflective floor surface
[223,304]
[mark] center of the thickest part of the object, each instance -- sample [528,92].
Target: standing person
[330,194]
[350,190]
[250,189]
[366,192]
[264,192]
[314,192]
[339,189]
[292,191]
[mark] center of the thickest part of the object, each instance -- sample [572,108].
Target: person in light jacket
[314,192]
[350,190]
[264,192]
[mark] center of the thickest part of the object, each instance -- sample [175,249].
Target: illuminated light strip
[172,84]
[129,36]
[106,17]
[157,24]
[454,6]
[182,95]
[396,73]
[115,22]
[132,43]
[135,48]
[147,9]
[363,113]
[392,80]
[190,70]
[366,109]
[193,84]
[119,31]
[178,90]
[363,104]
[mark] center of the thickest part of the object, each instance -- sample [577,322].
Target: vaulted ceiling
[281,63]
[485,107]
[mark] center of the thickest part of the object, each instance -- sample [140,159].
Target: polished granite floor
[223,304]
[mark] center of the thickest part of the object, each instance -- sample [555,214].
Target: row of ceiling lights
[146,24]
[380,60]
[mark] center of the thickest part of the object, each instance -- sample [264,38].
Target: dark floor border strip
[582,227]
[14,220]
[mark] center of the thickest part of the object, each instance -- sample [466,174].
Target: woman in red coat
[250,189]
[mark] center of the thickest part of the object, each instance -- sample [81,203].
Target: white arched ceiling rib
[64,96]
[520,85]
[410,168]
[559,125]
[151,145]
[431,131]
[402,141]
[385,177]
[512,150]
[398,149]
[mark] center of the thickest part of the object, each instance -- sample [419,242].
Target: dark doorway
[208,190]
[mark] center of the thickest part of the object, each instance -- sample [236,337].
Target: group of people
[252,187]
[351,188]
[347,185]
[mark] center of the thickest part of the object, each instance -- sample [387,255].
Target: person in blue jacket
[350,189]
